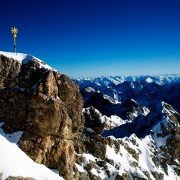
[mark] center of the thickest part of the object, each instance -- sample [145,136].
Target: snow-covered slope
[145,148]
[14,162]
[131,127]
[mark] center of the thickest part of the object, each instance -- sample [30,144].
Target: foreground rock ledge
[47,106]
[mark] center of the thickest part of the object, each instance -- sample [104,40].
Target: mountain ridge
[108,80]
[128,128]
[139,121]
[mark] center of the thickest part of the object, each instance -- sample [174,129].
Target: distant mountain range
[115,80]
[146,90]
[140,117]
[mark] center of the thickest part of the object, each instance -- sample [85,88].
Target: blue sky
[96,37]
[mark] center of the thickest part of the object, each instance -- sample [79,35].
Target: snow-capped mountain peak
[25,58]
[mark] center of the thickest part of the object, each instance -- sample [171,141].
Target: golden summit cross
[14,32]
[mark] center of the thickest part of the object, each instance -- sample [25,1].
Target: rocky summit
[45,105]
[116,128]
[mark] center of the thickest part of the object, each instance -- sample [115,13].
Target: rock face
[47,106]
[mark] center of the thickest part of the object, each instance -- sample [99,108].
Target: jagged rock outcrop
[151,155]
[131,129]
[19,178]
[47,106]
[16,177]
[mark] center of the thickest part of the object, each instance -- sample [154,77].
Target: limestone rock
[47,106]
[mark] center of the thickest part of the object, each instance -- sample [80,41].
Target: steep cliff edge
[46,105]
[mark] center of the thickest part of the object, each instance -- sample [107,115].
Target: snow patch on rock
[14,162]
[25,58]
